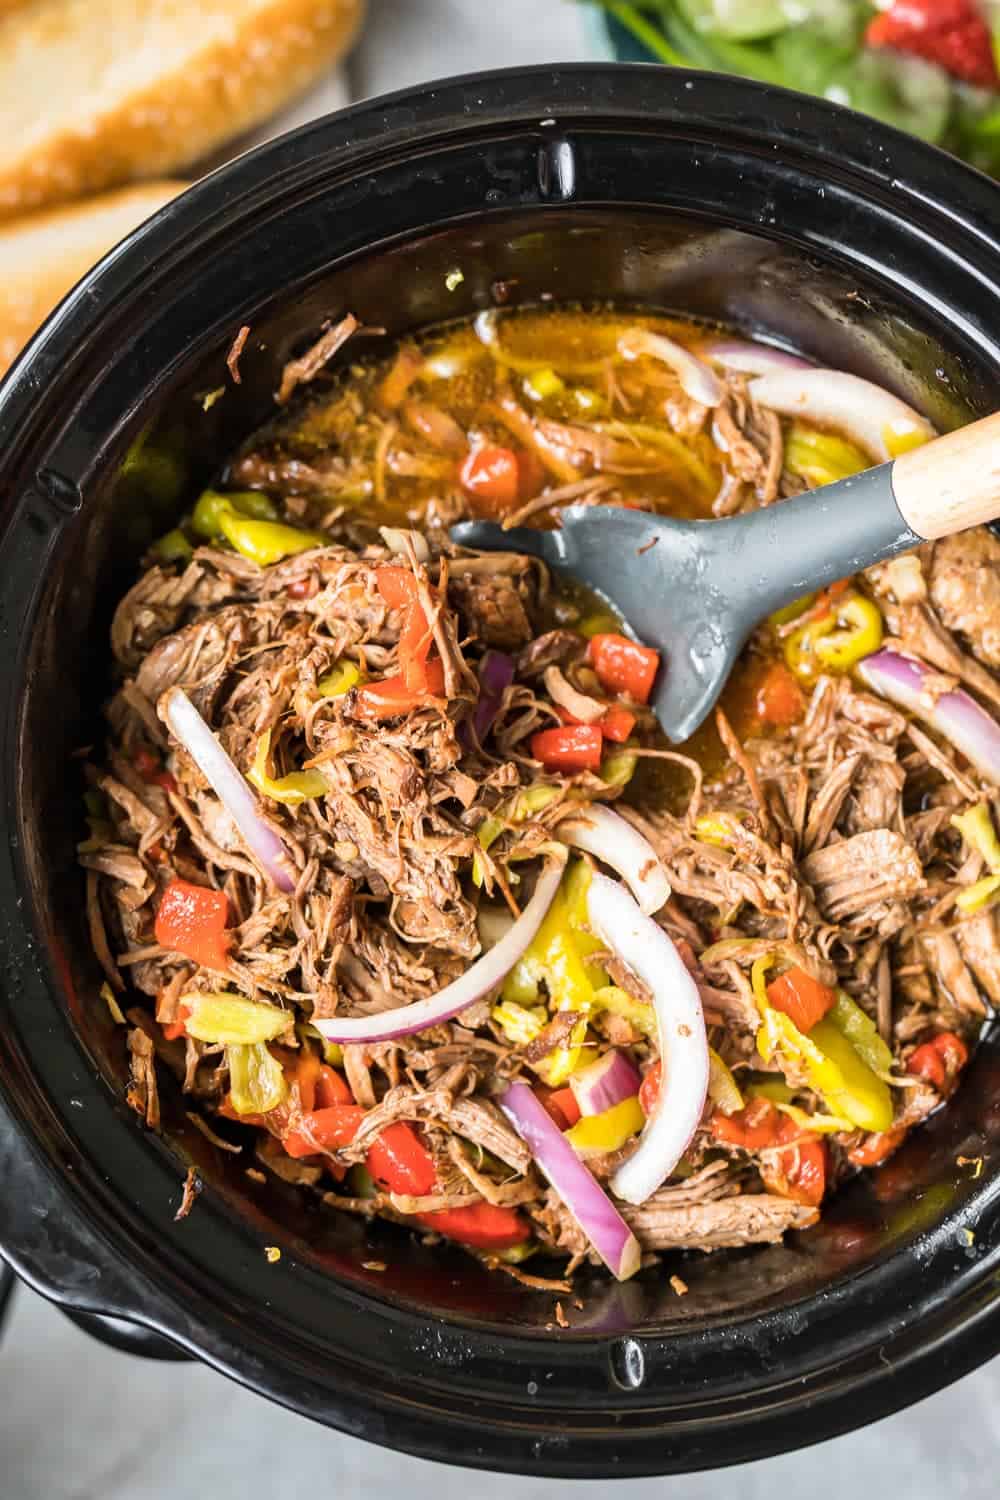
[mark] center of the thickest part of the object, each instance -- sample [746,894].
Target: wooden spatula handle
[951,483]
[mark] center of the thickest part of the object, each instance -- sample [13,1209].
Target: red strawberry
[951,33]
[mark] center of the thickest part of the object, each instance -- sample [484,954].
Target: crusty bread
[43,255]
[97,92]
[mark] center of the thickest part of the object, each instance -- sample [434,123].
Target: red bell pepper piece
[324,1130]
[192,920]
[499,478]
[148,764]
[486,1226]
[560,1105]
[623,666]
[617,724]
[400,1162]
[875,1148]
[799,1172]
[574,747]
[779,698]
[756,1128]
[952,33]
[398,588]
[800,997]
[940,1060]
[649,1089]
[391,696]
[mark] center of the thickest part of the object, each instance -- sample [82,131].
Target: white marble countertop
[81,1422]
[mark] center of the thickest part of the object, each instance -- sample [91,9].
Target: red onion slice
[955,715]
[697,380]
[229,785]
[496,673]
[586,1200]
[605,1083]
[607,836]
[871,417]
[746,358]
[647,950]
[484,975]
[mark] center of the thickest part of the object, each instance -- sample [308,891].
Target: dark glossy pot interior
[700,195]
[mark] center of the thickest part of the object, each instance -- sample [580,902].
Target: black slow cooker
[717,197]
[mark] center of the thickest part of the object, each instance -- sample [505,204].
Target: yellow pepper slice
[820,1124]
[861,1031]
[976,828]
[561,1064]
[518,1023]
[821,457]
[845,1080]
[903,439]
[833,1066]
[770,1087]
[642,1016]
[267,542]
[609,1130]
[212,505]
[227,1018]
[979,895]
[290,790]
[256,1079]
[345,675]
[717,828]
[859,635]
[541,384]
[790,612]
[723,1090]
[519,808]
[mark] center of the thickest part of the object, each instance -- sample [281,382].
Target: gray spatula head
[694,590]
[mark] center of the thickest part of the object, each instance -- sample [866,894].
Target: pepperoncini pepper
[976,828]
[267,542]
[212,505]
[231,1019]
[256,1079]
[519,808]
[851,630]
[833,1064]
[290,790]
[345,675]
[558,956]
[820,457]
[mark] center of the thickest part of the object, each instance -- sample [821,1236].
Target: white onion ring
[605,834]
[870,416]
[647,950]
[697,380]
[484,975]
[229,785]
[745,358]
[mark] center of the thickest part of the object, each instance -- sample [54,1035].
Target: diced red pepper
[320,1086]
[649,1089]
[174,1029]
[756,1128]
[623,666]
[875,1148]
[391,696]
[150,768]
[574,747]
[800,997]
[799,1171]
[952,33]
[779,698]
[499,478]
[617,724]
[940,1060]
[192,920]
[486,1226]
[398,588]
[324,1129]
[560,1105]
[400,1162]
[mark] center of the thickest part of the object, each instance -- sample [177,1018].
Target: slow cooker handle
[46,1242]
